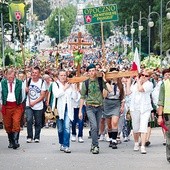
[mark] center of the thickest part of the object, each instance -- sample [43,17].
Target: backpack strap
[87,85]
[29,82]
[100,81]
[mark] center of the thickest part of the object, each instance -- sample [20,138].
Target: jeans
[64,129]
[33,116]
[77,120]
[94,115]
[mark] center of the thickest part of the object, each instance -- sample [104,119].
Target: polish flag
[136,62]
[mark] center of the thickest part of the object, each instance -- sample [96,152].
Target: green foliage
[152,62]
[52,28]
[42,9]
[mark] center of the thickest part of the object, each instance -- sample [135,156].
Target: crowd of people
[112,106]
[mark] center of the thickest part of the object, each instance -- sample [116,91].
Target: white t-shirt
[35,89]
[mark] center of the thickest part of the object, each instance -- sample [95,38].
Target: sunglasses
[144,75]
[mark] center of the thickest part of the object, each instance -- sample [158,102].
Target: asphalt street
[46,155]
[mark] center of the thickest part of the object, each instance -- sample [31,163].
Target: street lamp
[141,29]
[126,33]
[151,24]
[9,31]
[168,10]
[59,18]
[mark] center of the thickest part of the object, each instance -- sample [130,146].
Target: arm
[42,95]
[82,99]
[80,109]
[161,103]
[127,86]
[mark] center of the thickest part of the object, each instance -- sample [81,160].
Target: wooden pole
[23,56]
[103,46]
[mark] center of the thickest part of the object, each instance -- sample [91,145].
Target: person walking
[113,108]
[64,93]
[140,107]
[34,105]
[92,93]
[164,111]
[12,94]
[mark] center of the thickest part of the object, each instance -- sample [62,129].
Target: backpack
[29,82]
[100,81]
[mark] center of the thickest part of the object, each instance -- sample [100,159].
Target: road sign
[104,13]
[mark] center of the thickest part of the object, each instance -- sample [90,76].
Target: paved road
[46,155]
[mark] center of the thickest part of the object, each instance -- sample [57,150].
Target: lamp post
[140,31]
[151,24]
[168,10]
[140,28]
[126,33]
[59,18]
[3,38]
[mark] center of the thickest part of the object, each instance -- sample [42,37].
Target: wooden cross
[79,44]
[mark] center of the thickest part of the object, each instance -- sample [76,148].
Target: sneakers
[37,141]
[125,139]
[102,138]
[114,145]
[73,138]
[67,150]
[136,147]
[143,150]
[80,140]
[110,143]
[61,148]
[29,140]
[118,140]
[94,149]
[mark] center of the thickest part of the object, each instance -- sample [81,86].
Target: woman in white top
[65,94]
[140,107]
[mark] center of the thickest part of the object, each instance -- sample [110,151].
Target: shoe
[136,147]
[37,141]
[118,140]
[67,150]
[147,143]
[15,140]
[61,148]
[164,142]
[54,125]
[110,144]
[29,140]
[114,145]
[143,150]
[47,125]
[80,140]
[125,139]
[73,138]
[95,150]
[102,138]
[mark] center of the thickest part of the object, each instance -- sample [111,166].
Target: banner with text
[100,14]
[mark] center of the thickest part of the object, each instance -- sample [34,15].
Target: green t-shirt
[95,96]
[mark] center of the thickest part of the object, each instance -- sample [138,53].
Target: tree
[42,9]
[69,15]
